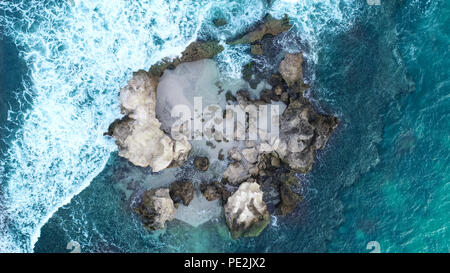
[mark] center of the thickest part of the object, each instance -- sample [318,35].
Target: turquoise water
[383,70]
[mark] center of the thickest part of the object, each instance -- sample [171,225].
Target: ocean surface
[384,70]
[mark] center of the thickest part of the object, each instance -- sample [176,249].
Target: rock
[250,154]
[269,26]
[219,22]
[156,208]
[229,97]
[195,51]
[182,191]
[138,135]
[275,162]
[302,131]
[247,71]
[257,49]
[221,156]
[201,163]
[235,154]
[210,191]
[289,198]
[278,90]
[267,96]
[291,69]
[245,211]
[235,173]
[285,97]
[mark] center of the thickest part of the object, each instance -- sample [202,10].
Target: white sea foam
[80,53]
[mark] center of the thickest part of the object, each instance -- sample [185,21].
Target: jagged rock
[195,51]
[289,198]
[245,211]
[268,96]
[269,26]
[257,49]
[235,154]
[285,97]
[182,191]
[278,90]
[210,191]
[201,163]
[219,22]
[236,172]
[156,208]
[303,131]
[291,68]
[275,162]
[250,154]
[138,135]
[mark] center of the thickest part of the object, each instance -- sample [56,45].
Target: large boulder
[302,132]
[245,211]
[138,135]
[156,208]
[291,68]
[182,192]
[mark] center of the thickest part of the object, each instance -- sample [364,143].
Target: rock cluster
[260,176]
[138,134]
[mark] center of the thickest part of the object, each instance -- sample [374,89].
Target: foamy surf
[80,53]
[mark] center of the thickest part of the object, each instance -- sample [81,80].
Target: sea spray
[80,53]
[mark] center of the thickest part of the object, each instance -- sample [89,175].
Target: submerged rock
[182,191]
[245,211]
[289,198]
[138,135]
[156,208]
[269,26]
[219,22]
[257,49]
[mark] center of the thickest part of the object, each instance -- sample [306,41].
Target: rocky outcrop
[182,192]
[138,135]
[291,68]
[156,208]
[302,132]
[269,26]
[245,211]
[195,51]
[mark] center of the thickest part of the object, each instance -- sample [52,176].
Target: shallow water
[383,70]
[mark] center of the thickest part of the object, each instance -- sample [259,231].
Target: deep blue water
[384,176]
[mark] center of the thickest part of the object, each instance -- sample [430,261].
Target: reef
[260,176]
